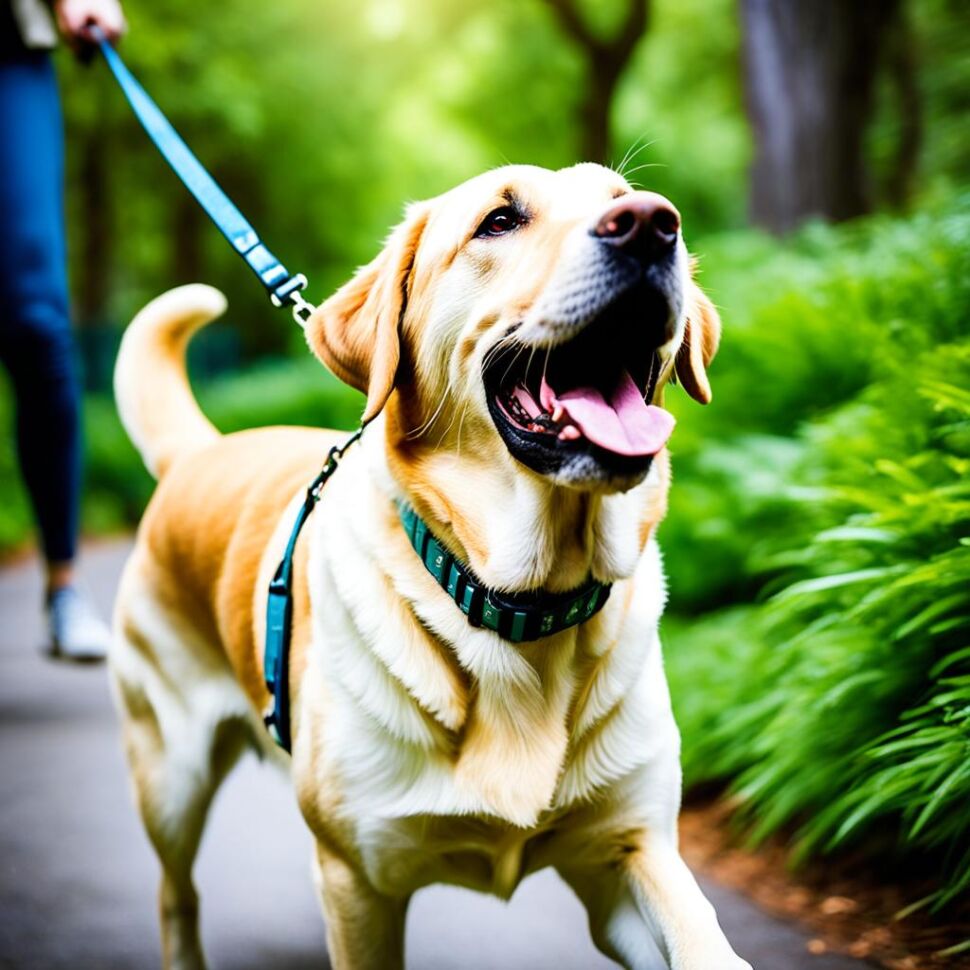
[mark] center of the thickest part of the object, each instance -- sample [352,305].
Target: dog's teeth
[557,412]
[569,433]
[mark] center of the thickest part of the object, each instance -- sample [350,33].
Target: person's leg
[36,344]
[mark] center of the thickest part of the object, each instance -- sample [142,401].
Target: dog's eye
[499,221]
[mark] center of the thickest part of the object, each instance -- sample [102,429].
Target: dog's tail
[155,402]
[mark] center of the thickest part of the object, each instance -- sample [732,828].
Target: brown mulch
[849,905]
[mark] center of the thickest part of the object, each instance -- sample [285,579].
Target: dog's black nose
[642,224]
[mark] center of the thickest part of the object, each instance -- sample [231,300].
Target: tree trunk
[188,224]
[810,68]
[606,59]
[603,77]
[902,67]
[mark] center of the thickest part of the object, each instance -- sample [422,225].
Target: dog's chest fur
[480,761]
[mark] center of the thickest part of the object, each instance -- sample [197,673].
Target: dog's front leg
[649,893]
[683,922]
[365,929]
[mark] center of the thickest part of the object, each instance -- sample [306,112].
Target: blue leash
[283,288]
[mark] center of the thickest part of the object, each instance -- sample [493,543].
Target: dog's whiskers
[634,182]
[639,146]
[515,357]
[498,347]
[454,414]
[426,426]
[626,155]
[461,423]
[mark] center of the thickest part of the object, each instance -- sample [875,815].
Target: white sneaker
[77,632]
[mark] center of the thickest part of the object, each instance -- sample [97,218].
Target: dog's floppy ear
[356,332]
[701,337]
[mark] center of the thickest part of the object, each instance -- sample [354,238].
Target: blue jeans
[36,345]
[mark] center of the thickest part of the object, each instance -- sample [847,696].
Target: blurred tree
[811,69]
[901,67]
[942,29]
[606,59]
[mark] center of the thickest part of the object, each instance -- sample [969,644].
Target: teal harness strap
[279,609]
[518,617]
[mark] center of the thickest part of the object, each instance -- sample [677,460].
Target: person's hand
[76,17]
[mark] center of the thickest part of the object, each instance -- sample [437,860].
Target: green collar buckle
[518,617]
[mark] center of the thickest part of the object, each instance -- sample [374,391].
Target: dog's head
[530,314]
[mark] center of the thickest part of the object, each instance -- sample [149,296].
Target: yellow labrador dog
[513,340]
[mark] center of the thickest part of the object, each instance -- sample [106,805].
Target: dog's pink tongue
[625,424]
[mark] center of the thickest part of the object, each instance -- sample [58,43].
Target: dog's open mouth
[591,395]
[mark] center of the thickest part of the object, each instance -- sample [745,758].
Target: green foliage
[807,328]
[942,28]
[681,101]
[14,511]
[841,704]
[282,392]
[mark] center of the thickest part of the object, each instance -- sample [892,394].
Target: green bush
[840,704]
[807,326]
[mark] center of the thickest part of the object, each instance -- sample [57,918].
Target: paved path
[77,878]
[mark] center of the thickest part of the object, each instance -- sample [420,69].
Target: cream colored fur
[424,750]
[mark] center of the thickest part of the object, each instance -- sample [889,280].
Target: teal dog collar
[518,617]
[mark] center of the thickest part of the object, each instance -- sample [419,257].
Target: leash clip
[292,292]
[302,309]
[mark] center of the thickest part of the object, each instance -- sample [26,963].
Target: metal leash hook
[284,288]
[301,308]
